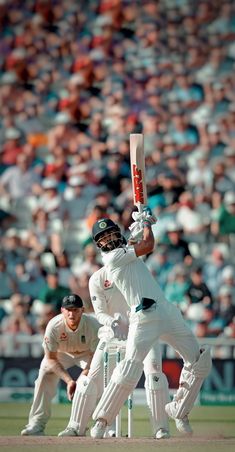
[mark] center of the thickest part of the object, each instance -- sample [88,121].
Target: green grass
[214,431]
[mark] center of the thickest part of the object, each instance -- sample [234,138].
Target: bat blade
[137,159]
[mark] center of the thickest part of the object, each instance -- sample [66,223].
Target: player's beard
[111,245]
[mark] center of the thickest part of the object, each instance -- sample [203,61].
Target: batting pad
[83,404]
[191,379]
[157,395]
[124,379]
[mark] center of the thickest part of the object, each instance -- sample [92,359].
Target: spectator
[76,199]
[212,269]
[28,282]
[50,199]
[177,246]
[12,147]
[7,282]
[177,286]
[224,218]
[90,261]
[62,265]
[191,220]
[198,291]
[53,292]
[226,307]
[228,279]
[161,265]
[16,326]
[19,180]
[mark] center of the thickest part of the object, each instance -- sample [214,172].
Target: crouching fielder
[70,340]
[112,312]
[151,318]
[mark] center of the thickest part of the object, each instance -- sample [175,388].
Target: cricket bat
[137,160]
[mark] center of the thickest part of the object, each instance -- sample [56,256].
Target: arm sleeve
[99,303]
[50,341]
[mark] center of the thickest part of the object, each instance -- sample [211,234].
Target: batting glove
[136,229]
[140,217]
[148,216]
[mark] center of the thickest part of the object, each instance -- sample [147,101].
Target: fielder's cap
[72,301]
[102,226]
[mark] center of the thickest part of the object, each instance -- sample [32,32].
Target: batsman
[152,318]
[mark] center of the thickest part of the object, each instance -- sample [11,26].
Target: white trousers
[166,323]
[162,321]
[46,386]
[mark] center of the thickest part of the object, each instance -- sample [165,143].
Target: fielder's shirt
[60,338]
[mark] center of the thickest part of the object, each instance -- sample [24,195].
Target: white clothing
[74,348]
[59,337]
[135,282]
[162,320]
[106,299]
[122,267]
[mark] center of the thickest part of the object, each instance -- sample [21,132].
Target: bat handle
[140,207]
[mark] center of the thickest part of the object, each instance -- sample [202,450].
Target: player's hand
[136,229]
[149,216]
[120,328]
[71,387]
[146,214]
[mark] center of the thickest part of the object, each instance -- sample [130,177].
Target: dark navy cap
[72,301]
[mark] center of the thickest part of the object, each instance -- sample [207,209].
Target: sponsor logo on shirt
[107,284]
[63,336]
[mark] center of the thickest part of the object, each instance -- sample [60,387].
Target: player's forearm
[146,245]
[102,317]
[53,365]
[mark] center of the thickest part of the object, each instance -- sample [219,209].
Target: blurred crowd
[76,78]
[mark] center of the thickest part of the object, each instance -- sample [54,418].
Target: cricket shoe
[183,426]
[110,433]
[99,429]
[162,433]
[69,431]
[33,430]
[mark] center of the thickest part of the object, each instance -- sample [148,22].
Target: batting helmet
[102,226]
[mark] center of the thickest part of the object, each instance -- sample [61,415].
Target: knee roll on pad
[127,372]
[202,366]
[191,380]
[124,379]
[156,381]
[86,386]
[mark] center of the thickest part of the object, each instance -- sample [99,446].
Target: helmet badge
[102,225]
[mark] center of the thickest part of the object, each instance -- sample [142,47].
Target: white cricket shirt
[60,338]
[106,298]
[132,276]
